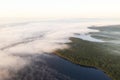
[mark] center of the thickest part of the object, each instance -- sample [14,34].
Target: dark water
[52,67]
[74,71]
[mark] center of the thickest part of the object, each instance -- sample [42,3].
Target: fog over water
[19,39]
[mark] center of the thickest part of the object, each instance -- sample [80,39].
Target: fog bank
[30,38]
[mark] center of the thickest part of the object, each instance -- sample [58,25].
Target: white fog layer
[35,38]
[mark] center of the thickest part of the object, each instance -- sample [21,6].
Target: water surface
[52,67]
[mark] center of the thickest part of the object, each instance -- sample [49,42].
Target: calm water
[46,65]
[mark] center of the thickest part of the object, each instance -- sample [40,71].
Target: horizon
[101,21]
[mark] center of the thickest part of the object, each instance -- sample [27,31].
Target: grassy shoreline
[92,54]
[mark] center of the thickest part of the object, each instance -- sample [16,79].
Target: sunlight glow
[59,8]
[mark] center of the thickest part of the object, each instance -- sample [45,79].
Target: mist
[17,40]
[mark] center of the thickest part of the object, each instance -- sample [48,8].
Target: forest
[92,54]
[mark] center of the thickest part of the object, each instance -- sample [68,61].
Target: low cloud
[33,38]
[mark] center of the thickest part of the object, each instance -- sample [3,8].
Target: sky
[60,8]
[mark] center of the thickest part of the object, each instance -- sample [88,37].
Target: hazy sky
[60,8]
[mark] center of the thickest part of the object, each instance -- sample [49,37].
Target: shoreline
[68,54]
[82,65]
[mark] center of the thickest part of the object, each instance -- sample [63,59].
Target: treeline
[93,54]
